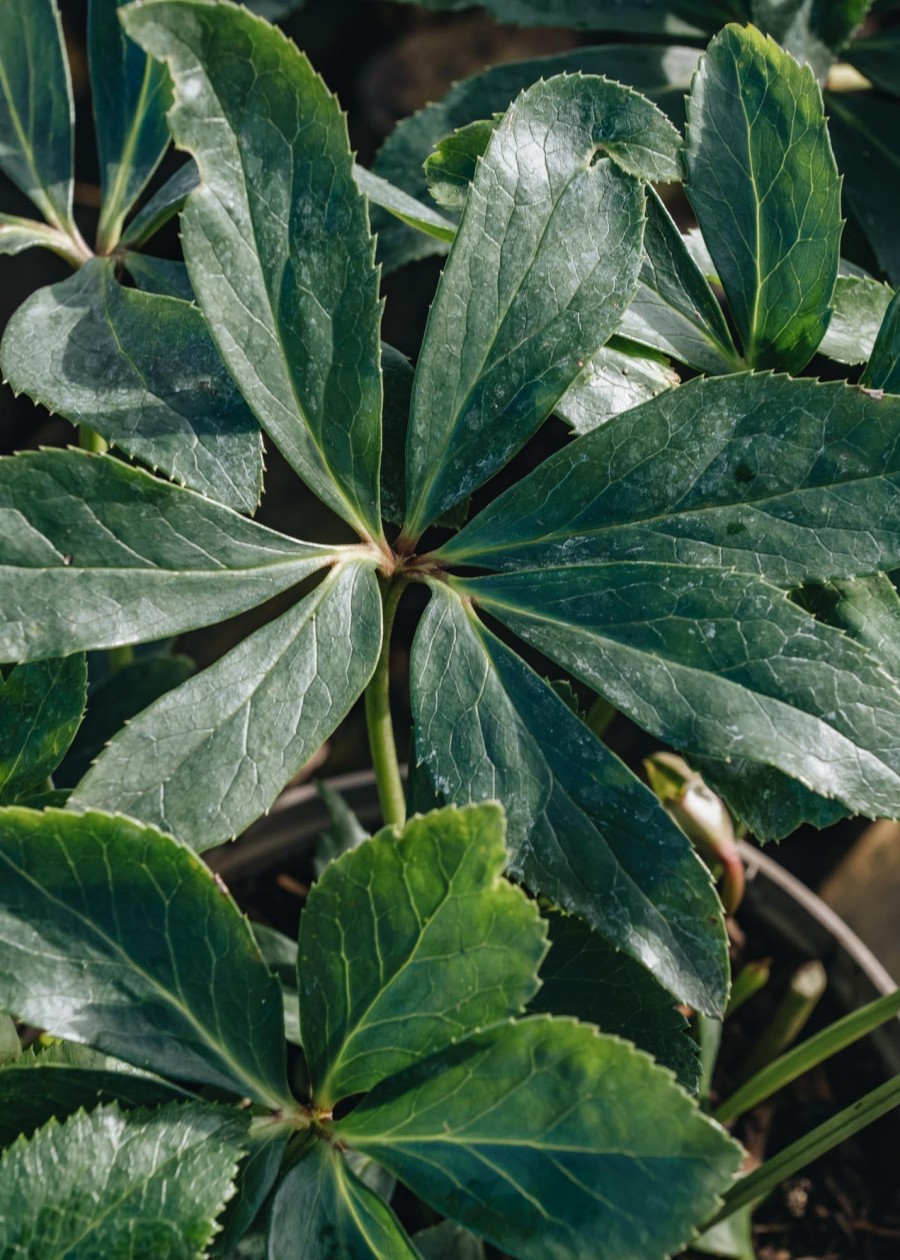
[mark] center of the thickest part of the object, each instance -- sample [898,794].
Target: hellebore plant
[712,563]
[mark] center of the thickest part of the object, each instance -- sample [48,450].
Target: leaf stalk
[382,744]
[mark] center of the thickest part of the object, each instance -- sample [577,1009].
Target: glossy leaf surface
[583,831]
[529,1135]
[719,663]
[322,1211]
[165,1176]
[94,553]
[117,936]
[763,183]
[36,110]
[130,95]
[859,304]
[143,372]
[585,977]
[210,757]
[502,343]
[283,266]
[621,375]
[422,921]
[787,478]
[41,706]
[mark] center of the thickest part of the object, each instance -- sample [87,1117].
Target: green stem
[815,1144]
[383,747]
[807,985]
[810,1054]
[749,980]
[88,440]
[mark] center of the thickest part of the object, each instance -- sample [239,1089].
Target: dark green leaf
[210,757]
[770,804]
[130,94]
[137,1184]
[398,381]
[160,275]
[551,1141]
[143,372]
[462,948]
[275,9]
[859,304]
[256,1175]
[36,110]
[763,183]
[323,1212]
[585,977]
[164,203]
[674,309]
[791,479]
[113,702]
[583,830]
[811,32]
[94,554]
[619,376]
[117,936]
[283,265]
[864,127]
[343,833]
[663,74]
[878,58]
[720,663]
[280,954]
[38,1087]
[41,706]
[883,369]
[503,344]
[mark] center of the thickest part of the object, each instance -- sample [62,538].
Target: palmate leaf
[162,276]
[791,479]
[94,554]
[117,936]
[864,127]
[883,369]
[462,949]
[143,372]
[585,977]
[503,343]
[763,183]
[243,727]
[130,95]
[55,1083]
[36,110]
[283,266]
[256,1175]
[41,706]
[660,73]
[322,1211]
[530,1135]
[167,1172]
[583,830]
[717,663]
